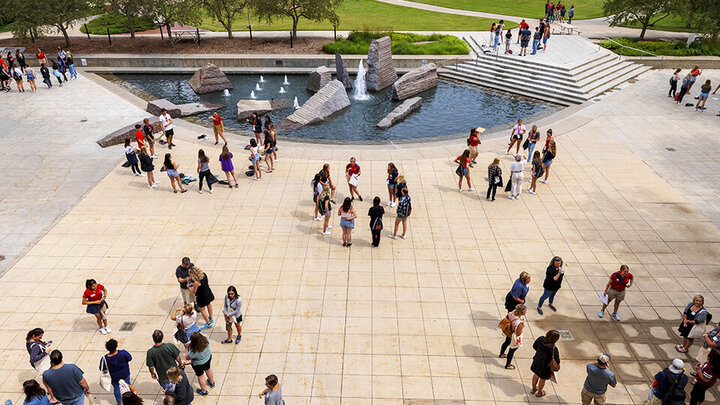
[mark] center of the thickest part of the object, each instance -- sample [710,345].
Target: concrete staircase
[572,71]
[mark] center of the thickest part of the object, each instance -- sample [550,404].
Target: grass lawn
[369,15]
[584,9]
[671,23]
[358,43]
[5,28]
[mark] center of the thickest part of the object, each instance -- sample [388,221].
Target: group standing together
[686,83]
[16,68]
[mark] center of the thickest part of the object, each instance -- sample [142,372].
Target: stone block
[400,112]
[318,79]
[341,73]
[381,72]
[415,81]
[127,132]
[155,107]
[208,79]
[329,100]
[245,108]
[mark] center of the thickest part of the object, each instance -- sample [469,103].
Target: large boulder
[127,132]
[415,81]
[155,107]
[326,102]
[208,79]
[341,73]
[318,79]
[381,72]
[246,108]
[400,112]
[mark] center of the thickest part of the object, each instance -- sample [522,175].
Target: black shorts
[200,369]
[524,44]
[169,132]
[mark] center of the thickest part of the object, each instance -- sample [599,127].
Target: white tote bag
[105,381]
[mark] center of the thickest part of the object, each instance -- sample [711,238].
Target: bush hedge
[117,24]
[358,42]
[703,47]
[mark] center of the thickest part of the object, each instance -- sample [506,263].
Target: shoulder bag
[505,327]
[180,334]
[105,380]
[698,330]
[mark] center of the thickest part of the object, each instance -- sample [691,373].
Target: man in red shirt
[218,127]
[40,56]
[139,137]
[523,26]
[615,290]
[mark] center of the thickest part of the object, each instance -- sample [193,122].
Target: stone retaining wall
[676,62]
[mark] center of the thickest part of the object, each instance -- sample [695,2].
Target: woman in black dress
[543,365]
[204,297]
[693,314]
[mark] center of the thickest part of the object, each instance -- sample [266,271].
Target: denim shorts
[704,96]
[172,173]
[547,162]
[462,171]
[347,223]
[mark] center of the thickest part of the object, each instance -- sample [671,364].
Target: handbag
[377,225]
[508,185]
[554,366]
[211,179]
[526,144]
[105,380]
[517,341]
[697,331]
[180,334]
[505,326]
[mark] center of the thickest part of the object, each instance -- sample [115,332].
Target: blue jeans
[535,44]
[496,42]
[531,147]
[547,294]
[73,72]
[77,401]
[116,388]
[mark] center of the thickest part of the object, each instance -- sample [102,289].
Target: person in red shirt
[523,26]
[94,297]
[352,174]
[40,56]
[693,77]
[473,142]
[218,127]
[139,137]
[615,290]
[463,171]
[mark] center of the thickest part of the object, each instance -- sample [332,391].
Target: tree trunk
[63,29]
[229,31]
[131,24]
[295,24]
[169,33]
[645,24]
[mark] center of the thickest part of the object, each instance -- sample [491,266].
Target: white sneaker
[275,160]
[471,189]
[107,329]
[154,185]
[199,191]
[211,191]
[391,236]
[389,203]
[143,175]
[511,197]
[459,190]
[103,331]
[329,227]
[327,233]
[532,192]
[151,187]
[402,236]
[317,218]
[543,181]
[155,156]
[135,174]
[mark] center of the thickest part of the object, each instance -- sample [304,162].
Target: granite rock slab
[329,100]
[155,107]
[341,73]
[381,72]
[246,108]
[318,79]
[119,136]
[400,112]
[415,82]
[209,79]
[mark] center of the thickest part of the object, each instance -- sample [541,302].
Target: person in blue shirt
[34,395]
[518,292]
[65,382]
[116,362]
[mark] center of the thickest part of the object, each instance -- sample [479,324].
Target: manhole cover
[566,335]
[127,326]
[670,149]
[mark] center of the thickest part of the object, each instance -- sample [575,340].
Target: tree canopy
[225,12]
[645,12]
[315,10]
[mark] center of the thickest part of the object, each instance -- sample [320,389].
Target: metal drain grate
[566,335]
[127,326]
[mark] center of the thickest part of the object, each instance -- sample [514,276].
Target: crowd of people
[16,68]
[686,83]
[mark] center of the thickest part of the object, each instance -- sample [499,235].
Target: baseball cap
[677,366]
[603,358]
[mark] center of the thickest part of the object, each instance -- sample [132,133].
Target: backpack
[506,326]
[675,394]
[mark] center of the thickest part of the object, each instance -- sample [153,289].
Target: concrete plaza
[411,322]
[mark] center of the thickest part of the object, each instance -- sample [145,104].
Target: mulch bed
[121,44]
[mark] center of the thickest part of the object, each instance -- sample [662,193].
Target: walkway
[412,319]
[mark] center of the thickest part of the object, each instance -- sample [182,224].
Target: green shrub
[703,47]
[118,24]
[358,43]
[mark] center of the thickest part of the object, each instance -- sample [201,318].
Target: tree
[131,9]
[703,14]
[644,12]
[225,11]
[315,10]
[61,14]
[168,12]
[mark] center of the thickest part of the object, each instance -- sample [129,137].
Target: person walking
[37,349]
[376,213]
[516,177]
[597,380]
[537,36]
[186,319]
[702,98]
[203,170]
[178,390]
[546,361]
[694,73]
[516,137]
[347,221]
[494,178]
[34,394]
[56,72]
[684,87]
[553,281]
[200,357]
[571,13]
[218,127]
[65,382]
[272,392]
[131,156]
[167,127]
[182,273]
[537,171]
[30,75]
[227,167]
[668,386]
[462,170]
[615,290]
[706,375]
[513,340]
[232,311]
[326,180]
[404,209]
[547,160]
[71,66]
[269,153]
[674,79]
[117,364]
[324,205]
[352,174]
[392,173]
[161,357]
[200,286]
[94,298]
[473,145]
[518,292]
[171,169]
[693,318]
[147,166]
[45,72]
[255,159]
[148,132]
[546,37]
[533,137]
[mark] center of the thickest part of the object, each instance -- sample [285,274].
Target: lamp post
[249,26]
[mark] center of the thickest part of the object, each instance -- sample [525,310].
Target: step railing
[630,47]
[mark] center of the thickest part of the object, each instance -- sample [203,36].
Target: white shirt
[129,150]
[517,167]
[185,320]
[254,150]
[166,121]
[518,129]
